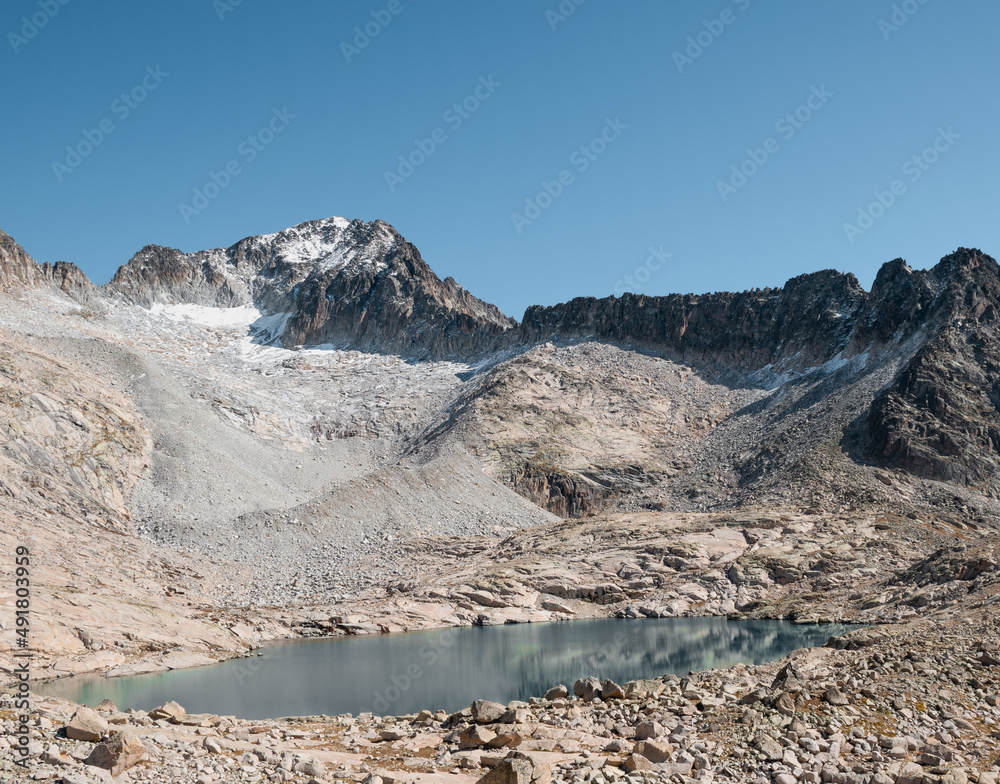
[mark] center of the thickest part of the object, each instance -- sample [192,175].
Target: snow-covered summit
[338,281]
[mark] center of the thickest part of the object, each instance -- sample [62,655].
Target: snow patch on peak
[325,245]
[207,316]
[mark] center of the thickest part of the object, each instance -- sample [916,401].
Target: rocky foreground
[907,704]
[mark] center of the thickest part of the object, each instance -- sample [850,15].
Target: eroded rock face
[16,267]
[940,417]
[325,281]
[809,318]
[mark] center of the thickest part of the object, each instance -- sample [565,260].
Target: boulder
[654,750]
[86,725]
[117,754]
[611,690]
[516,716]
[518,768]
[475,736]
[587,689]
[835,696]
[486,712]
[648,730]
[769,747]
[643,689]
[634,762]
[557,692]
[168,711]
[310,767]
[785,704]
[506,739]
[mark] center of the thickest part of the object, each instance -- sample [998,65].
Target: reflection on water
[449,668]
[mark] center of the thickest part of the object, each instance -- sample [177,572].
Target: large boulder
[486,712]
[611,690]
[654,751]
[117,754]
[86,725]
[168,711]
[587,689]
[475,736]
[518,768]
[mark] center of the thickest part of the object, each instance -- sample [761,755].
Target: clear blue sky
[881,95]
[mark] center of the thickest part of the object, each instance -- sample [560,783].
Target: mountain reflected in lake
[448,668]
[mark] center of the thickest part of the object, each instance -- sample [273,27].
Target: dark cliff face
[940,416]
[336,282]
[809,318]
[400,305]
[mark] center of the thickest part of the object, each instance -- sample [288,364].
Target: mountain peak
[17,268]
[338,281]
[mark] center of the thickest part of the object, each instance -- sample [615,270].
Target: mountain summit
[331,281]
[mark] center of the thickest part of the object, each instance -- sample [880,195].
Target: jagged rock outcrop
[69,278]
[806,322]
[329,281]
[940,417]
[16,267]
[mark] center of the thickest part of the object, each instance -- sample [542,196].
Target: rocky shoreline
[910,704]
